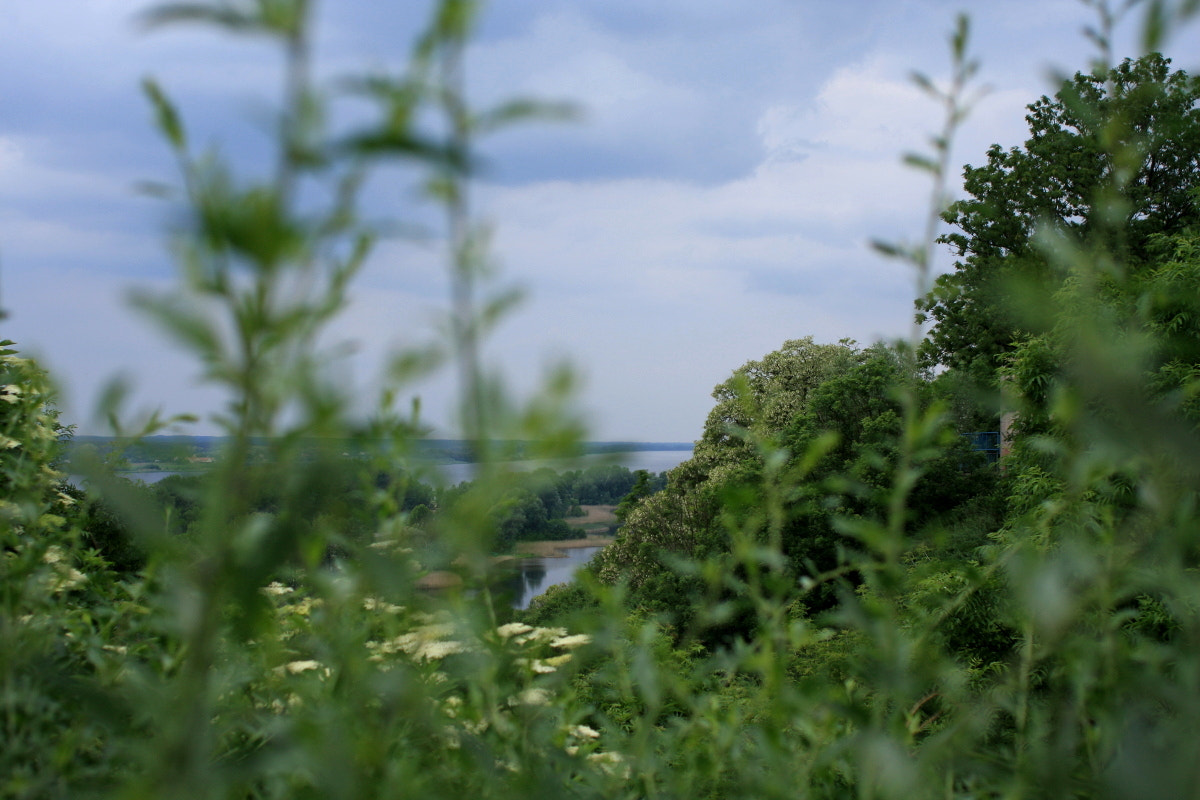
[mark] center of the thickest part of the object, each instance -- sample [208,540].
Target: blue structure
[986,442]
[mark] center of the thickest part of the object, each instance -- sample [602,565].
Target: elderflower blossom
[65,576]
[275,589]
[435,651]
[297,667]
[427,643]
[538,666]
[570,642]
[451,706]
[532,697]
[11,393]
[584,732]
[371,604]
[513,629]
[8,443]
[305,606]
[612,763]
[452,740]
[475,727]
[540,635]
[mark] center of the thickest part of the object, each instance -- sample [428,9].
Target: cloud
[716,200]
[862,107]
[656,104]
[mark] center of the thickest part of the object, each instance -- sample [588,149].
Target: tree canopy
[1115,154]
[828,419]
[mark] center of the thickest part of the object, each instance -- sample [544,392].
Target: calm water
[536,575]
[654,461]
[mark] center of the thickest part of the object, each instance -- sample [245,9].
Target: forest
[837,595]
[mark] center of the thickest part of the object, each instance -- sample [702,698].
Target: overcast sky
[716,198]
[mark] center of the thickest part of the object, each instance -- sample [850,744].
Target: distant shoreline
[153,452]
[615,445]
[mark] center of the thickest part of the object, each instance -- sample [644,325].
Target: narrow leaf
[165,114]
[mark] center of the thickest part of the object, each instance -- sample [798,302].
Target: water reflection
[533,576]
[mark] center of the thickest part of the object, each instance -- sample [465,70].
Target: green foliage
[1121,143]
[640,490]
[824,422]
[828,600]
[534,505]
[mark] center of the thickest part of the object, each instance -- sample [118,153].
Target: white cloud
[716,202]
[865,108]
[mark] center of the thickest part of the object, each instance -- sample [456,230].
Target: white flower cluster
[297,667]
[65,577]
[523,634]
[536,651]
[571,642]
[429,642]
[371,604]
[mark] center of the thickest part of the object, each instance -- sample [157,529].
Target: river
[535,575]
[653,461]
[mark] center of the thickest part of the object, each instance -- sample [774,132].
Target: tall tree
[825,415]
[1113,159]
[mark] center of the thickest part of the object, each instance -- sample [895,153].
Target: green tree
[760,399]
[641,488]
[56,605]
[1125,141]
[765,395]
[823,419]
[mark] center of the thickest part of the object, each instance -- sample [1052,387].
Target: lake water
[536,575]
[653,461]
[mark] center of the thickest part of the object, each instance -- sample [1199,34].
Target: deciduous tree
[1113,159]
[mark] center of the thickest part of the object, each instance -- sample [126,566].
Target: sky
[716,196]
